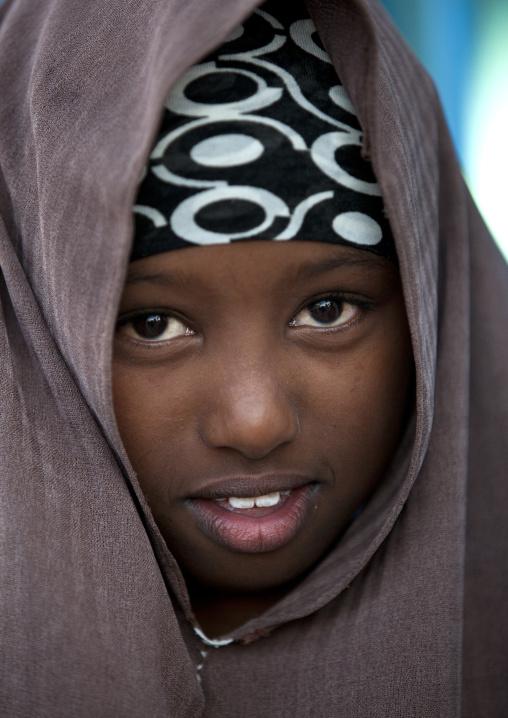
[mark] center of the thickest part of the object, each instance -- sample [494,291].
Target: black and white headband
[260,141]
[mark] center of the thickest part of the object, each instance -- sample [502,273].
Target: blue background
[464,46]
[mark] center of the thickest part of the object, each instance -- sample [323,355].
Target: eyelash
[338,298]
[130,320]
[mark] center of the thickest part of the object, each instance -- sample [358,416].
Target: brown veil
[409,615]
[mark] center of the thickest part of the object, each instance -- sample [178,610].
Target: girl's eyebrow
[308,270]
[166,279]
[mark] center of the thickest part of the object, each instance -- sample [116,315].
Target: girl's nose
[250,412]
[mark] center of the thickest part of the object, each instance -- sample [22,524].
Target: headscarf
[260,140]
[407,615]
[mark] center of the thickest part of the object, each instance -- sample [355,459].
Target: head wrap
[260,141]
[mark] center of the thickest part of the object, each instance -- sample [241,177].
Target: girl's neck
[219,612]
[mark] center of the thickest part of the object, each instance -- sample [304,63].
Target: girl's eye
[331,312]
[153,327]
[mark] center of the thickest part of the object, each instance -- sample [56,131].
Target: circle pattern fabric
[260,141]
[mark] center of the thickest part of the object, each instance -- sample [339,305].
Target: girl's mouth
[255,524]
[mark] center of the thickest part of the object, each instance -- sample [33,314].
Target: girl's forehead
[264,264]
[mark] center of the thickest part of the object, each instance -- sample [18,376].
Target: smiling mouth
[255,523]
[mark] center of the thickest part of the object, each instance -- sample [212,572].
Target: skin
[252,377]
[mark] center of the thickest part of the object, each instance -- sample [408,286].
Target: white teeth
[238,503]
[261,501]
[268,499]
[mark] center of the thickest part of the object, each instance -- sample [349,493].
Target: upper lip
[245,485]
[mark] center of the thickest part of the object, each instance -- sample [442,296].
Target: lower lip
[250,534]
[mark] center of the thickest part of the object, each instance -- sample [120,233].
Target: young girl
[238,449]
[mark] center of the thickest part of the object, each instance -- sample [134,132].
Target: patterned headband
[260,141]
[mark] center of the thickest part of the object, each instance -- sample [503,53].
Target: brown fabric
[408,616]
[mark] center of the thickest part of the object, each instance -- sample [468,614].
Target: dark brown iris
[150,326]
[325,311]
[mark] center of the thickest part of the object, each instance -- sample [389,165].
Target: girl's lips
[255,530]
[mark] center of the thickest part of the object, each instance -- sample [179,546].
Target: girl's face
[260,390]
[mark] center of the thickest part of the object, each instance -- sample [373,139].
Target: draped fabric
[407,616]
